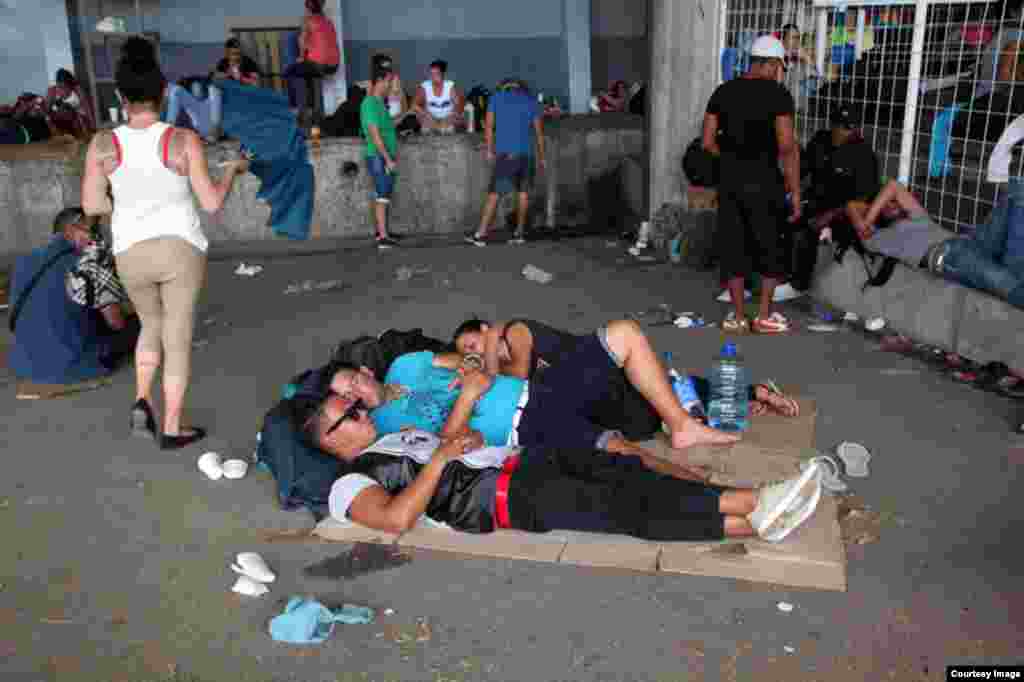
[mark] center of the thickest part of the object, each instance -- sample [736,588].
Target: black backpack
[699,165]
[378,353]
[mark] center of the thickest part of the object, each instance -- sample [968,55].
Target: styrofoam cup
[210,464]
[235,468]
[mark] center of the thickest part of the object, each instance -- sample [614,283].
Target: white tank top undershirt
[150,200]
[439,106]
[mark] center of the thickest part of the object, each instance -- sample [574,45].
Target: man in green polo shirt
[381,149]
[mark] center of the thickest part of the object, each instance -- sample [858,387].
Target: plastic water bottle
[686,391]
[729,404]
[470,117]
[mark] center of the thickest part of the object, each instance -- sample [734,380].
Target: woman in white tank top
[439,103]
[153,170]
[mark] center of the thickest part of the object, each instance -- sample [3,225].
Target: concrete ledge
[928,309]
[441,185]
[991,330]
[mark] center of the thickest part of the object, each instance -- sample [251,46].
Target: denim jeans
[992,259]
[204,109]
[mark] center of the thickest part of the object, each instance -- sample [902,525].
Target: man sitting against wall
[439,104]
[68,310]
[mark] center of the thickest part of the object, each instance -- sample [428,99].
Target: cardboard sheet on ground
[28,390]
[812,557]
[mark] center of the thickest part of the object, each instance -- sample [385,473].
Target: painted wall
[483,40]
[618,42]
[34,43]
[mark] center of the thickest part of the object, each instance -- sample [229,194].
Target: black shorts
[751,220]
[597,492]
[512,173]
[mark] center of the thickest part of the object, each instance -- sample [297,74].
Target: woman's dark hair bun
[139,53]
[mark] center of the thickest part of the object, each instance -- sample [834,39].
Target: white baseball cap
[768,47]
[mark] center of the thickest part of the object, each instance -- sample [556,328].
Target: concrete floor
[115,555]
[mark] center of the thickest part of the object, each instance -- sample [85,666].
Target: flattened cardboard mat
[812,557]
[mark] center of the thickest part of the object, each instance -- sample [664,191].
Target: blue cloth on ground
[938,152]
[262,121]
[307,621]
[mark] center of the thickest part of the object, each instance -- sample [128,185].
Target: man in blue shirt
[67,310]
[513,120]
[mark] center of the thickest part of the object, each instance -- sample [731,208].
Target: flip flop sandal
[897,344]
[964,376]
[1010,386]
[791,407]
[732,325]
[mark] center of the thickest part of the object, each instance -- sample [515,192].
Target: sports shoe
[777,499]
[474,239]
[786,292]
[726,297]
[798,513]
[776,323]
[388,242]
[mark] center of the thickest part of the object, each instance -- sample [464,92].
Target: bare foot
[695,433]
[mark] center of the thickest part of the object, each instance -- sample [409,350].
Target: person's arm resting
[519,346]
[474,385]
[211,194]
[375,508]
[378,142]
[789,152]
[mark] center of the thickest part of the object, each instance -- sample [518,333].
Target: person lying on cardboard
[389,482]
[522,348]
[68,310]
[422,390]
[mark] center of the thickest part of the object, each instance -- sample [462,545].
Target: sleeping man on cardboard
[514,454]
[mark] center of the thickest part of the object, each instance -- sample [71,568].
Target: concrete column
[335,90]
[684,73]
[576,23]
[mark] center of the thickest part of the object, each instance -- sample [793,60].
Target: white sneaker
[799,512]
[726,297]
[786,292]
[777,499]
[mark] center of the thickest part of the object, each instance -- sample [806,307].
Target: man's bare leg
[736,290]
[737,504]
[645,371]
[487,219]
[381,214]
[767,292]
[522,212]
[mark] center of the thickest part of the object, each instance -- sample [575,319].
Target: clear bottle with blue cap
[729,404]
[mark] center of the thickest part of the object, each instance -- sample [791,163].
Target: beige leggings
[163,278]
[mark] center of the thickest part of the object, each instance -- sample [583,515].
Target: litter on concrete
[875,324]
[785,606]
[851,317]
[307,621]
[789,650]
[248,270]
[535,274]
[856,457]
[405,273]
[310,285]
[690,320]
[252,565]
[248,587]
[823,328]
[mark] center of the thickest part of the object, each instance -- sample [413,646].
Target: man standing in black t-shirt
[749,124]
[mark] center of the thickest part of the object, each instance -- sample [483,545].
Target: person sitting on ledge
[439,103]
[389,483]
[68,308]
[988,260]
[425,391]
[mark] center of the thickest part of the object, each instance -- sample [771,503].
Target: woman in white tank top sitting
[439,103]
[152,169]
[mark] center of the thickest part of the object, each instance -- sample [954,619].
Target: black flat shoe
[192,435]
[142,422]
